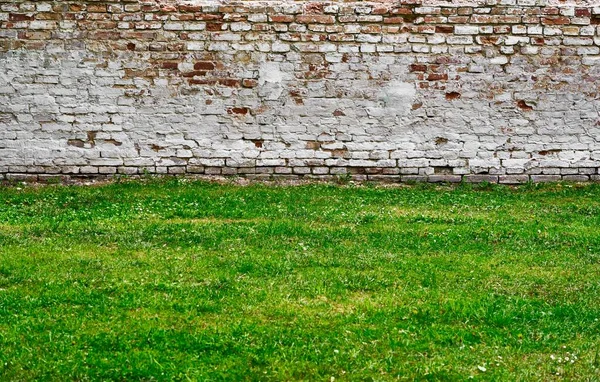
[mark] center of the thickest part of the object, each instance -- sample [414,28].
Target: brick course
[491,90]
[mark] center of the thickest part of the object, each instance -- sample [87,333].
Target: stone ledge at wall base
[270,177]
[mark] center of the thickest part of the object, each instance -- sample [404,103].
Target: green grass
[181,280]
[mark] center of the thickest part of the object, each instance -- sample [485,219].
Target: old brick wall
[495,90]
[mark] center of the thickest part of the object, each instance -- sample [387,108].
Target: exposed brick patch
[76,142]
[452,96]
[549,152]
[523,105]
[313,145]
[238,110]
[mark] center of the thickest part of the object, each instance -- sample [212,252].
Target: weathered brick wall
[496,90]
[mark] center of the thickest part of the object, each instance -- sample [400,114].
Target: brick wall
[496,90]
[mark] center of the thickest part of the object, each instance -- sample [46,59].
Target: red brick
[313,8]
[19,17]
[582,12]
[393,20]
[418,68]
[315,19]
[556,20]
[214,27]
[194,73]
[233,83]
[444,29]
[190,8]
[281,18]
[170,65]
[204,65]
[437,77]
[196,81]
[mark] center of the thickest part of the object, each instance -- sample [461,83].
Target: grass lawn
[181,280]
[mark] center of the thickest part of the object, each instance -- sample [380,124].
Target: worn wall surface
[494,90]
